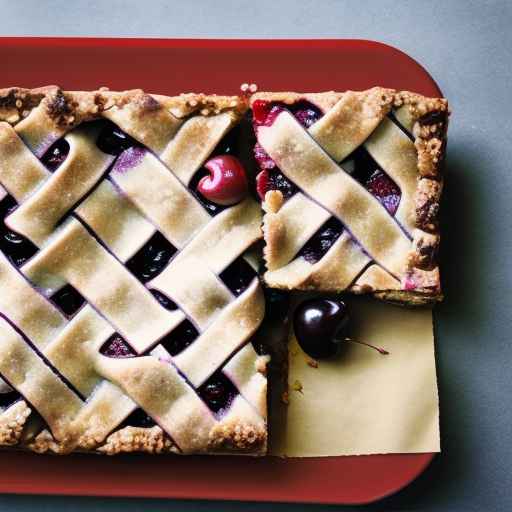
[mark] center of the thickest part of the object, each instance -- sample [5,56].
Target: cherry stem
[378,349]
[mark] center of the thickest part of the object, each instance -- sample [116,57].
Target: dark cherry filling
[274,180]
[68,299]
[218,392]
[151,259]
[264,114]
[56,154]
[306,113]
[179,338]
[117,347]
[16,247]
[113,140]
[7,399]
[374,179]
[164,301]
[138,418]
[238,276]
[385,190]
[322,240]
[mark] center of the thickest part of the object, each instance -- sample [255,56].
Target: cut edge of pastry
[427,118]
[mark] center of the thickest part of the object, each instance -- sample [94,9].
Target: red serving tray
[212,66]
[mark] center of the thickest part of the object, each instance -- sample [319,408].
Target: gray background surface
[466,45]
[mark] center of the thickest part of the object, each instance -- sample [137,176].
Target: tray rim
[424,459]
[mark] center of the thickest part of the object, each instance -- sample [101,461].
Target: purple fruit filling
[322,240]
[274,180]
[113,140]
[7,399]
[15,247]
[238,276]
[306,113]
[164,301]
[117,347]
[152,258]
[128,159]
[218,392]
[68,299]
[385,190]
[56,154]
[179,338]
[138,418]
[374,179]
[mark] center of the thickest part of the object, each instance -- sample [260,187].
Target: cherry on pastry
[321,328]
[226,183]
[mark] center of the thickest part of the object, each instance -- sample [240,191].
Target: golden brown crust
[12,423]
[69,108]
[136,439]
[238,437]
[182,131]
[425,120]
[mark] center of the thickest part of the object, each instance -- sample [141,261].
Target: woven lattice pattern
[99,349]
[353,191]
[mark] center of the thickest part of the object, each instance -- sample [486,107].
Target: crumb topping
[12,422]
[137,439]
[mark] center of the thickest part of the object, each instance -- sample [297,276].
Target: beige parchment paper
[363,402]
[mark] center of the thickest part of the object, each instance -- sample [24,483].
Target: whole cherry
[321,328]
[226,183]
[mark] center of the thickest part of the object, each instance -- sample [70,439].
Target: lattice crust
[86,220]
[392,255]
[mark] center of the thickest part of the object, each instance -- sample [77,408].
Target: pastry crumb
[297,386]
[312,363]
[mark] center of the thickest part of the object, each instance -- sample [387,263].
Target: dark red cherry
[321,328]
[260,111]
[263,184]
[226,183]
[318,325]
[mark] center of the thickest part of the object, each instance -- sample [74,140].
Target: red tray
[220,66]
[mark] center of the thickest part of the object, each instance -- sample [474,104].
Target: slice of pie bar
[351,183]
[128,301]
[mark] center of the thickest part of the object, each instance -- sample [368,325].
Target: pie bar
[350,183]
[128,300]
[132,317]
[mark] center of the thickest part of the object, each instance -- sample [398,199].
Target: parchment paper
[363,402]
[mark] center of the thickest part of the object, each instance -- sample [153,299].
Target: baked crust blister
[54,361]
[406,134]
